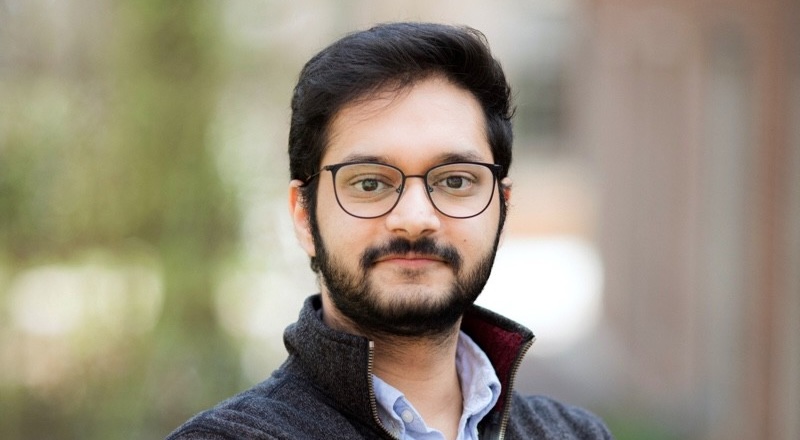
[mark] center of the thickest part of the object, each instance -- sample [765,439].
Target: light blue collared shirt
[480,389]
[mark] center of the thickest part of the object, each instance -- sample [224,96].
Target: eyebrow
[363,158]
[461,157]
[440,159]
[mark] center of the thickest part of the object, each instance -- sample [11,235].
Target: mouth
[410,259]
[404,254]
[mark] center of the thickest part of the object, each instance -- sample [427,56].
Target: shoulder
[544,417]
[274,409]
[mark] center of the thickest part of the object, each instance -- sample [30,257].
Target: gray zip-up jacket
[324,390]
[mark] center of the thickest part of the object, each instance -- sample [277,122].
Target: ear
[505,186]
[300,218]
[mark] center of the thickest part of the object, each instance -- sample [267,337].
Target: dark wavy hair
[394,56]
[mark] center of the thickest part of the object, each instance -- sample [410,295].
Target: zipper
[373,400]
[510,395]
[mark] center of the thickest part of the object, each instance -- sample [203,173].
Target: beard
[378,311]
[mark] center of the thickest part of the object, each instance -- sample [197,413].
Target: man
[400,145]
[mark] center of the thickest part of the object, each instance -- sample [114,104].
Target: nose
[414,215]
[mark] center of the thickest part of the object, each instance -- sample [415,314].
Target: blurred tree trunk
[163,119]
[111,147]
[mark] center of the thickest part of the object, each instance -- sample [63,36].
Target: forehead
[431,122]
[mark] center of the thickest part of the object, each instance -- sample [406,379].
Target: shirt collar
[480,389]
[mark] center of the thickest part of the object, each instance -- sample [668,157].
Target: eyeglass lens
[371,190]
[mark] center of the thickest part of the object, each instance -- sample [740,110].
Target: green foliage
[108,145]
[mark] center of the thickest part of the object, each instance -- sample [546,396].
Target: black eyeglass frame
[334,168]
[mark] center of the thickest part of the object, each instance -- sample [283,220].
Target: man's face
[413,271]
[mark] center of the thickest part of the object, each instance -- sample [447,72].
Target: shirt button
[407,416]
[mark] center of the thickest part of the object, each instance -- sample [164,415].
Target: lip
[410,260]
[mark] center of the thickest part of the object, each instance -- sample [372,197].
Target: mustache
[425,247]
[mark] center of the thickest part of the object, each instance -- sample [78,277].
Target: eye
[369,185]
[455,181]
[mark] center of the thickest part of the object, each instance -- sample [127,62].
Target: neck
[424,370]
[416,359]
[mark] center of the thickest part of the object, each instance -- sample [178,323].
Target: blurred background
[148,266]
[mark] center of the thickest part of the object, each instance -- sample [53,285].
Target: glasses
[371,190]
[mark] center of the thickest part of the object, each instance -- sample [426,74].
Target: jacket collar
[338,363]
[505,343]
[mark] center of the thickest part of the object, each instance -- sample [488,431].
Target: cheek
[340,232]
[329,214]
[326,216]
[481,232]
[475,239]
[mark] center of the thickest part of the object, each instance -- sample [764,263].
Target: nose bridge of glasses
[424,178]
[403,198]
